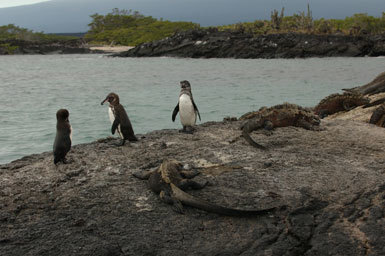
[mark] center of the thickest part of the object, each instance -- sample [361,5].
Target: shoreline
[358,114]
[218,44]
[110,49]
[75,46]
[226,44]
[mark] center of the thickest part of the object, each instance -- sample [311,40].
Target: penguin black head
[62,115]
[112,98]
[185,84]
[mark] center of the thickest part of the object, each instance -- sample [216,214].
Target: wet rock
[331,180]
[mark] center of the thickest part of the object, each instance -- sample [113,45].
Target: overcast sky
[74,15]
[10,3]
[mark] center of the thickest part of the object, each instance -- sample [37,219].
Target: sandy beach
[111,49]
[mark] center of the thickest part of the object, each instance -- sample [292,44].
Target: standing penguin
[119,119]
[187,109]
[63,138]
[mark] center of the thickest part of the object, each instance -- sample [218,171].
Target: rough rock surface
[333,181]
[211,43]
[50,47]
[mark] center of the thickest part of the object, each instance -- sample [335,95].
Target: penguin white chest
[112,119]
[111,115]
[186,110]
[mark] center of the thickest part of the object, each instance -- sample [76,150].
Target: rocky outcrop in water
[333,182]
[373,87]
[211,43]
[10,47]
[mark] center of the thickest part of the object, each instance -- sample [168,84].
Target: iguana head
[310,118]
[170,170]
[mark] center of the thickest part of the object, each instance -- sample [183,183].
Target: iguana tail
[247,137]
[248,127]
[189,200]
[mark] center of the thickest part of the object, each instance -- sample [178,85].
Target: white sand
[112,49]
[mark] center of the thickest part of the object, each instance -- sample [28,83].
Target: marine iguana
[282,115]
[378,116]
[169,181]
[340,102]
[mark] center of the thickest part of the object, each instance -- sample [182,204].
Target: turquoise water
[34,87]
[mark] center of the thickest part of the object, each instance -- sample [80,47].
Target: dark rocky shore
[211,43]
[333,182]
[10,47]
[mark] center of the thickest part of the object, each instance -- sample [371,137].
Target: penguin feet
[121,143]
[187,129]
[62,161]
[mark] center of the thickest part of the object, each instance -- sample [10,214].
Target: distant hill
[65,16]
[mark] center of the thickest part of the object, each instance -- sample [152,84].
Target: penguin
[119,119]
[63,139]
[186,107]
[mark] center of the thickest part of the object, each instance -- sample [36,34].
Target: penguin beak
[104,101]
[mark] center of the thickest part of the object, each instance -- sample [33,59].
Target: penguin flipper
[196,110]
[128,132]
[176,110]
[115,125]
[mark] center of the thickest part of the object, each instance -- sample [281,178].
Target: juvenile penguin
[186,107]
[119,119]
[63,139]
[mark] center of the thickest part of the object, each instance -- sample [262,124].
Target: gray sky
[10,3]
[74,15]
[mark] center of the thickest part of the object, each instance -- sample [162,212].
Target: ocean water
[34,87]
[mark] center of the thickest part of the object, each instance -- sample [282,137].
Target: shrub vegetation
[122,27]
[303,22]
[12,32]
